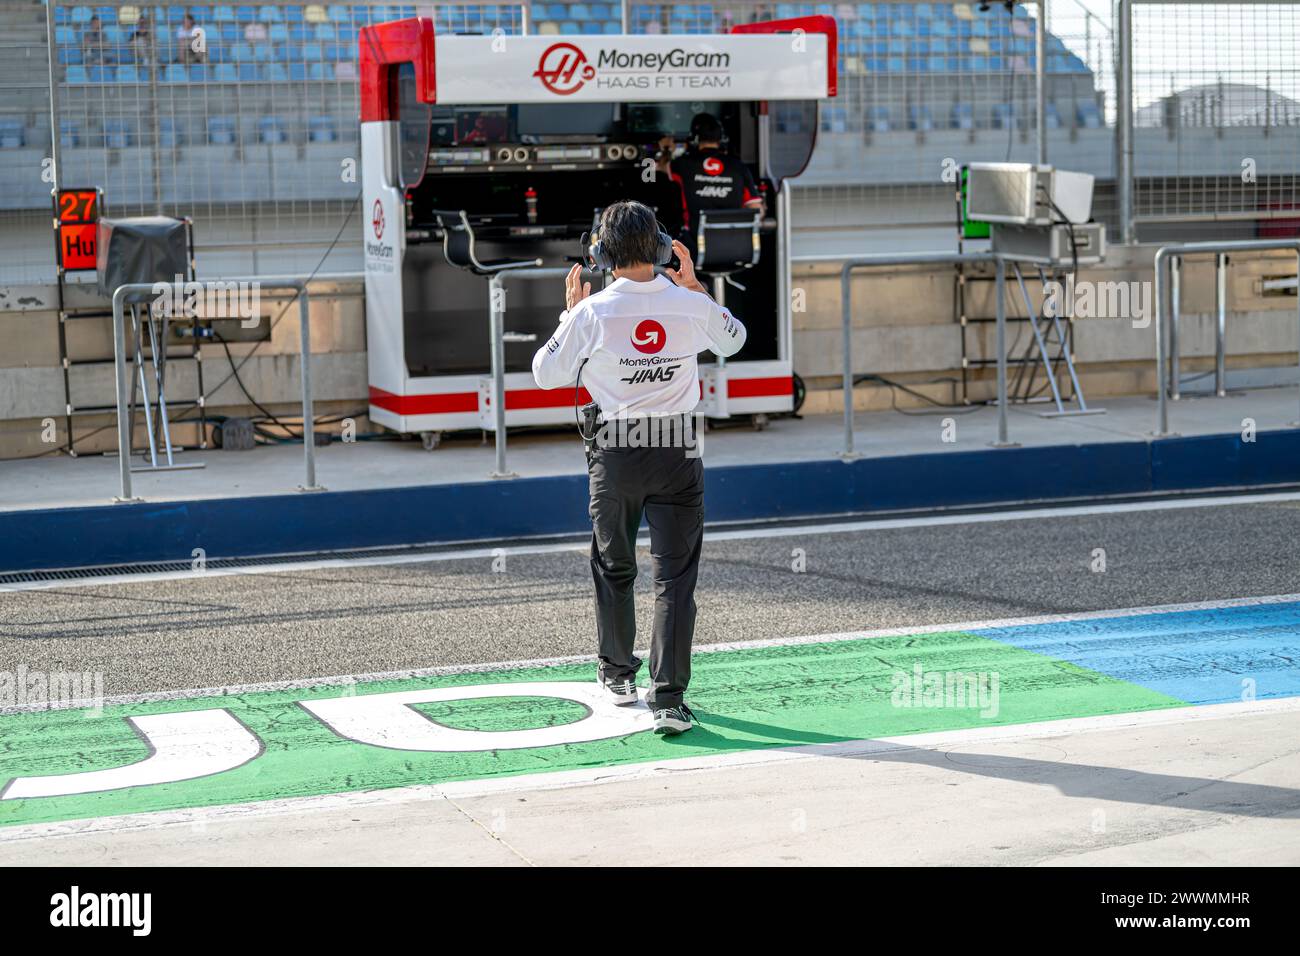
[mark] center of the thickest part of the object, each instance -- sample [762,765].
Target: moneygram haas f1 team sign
[773,60]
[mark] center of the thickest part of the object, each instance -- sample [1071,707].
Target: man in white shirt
[634,345]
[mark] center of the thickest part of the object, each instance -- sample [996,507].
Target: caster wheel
[430,440]
[760,422]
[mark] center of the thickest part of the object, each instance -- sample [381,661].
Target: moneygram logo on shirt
[649,337]
[564,68]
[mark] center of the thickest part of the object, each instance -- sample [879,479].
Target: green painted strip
[747,699]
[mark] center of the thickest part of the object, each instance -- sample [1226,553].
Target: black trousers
[667,486]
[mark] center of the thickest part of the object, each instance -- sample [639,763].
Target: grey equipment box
[1050,246]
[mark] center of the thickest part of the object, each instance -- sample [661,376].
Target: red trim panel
[817,24]
[444,404]
[385,45]
[518,398]
[759,387]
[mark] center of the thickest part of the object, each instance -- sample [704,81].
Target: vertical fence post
[846,320]
[1001,268]
[496,311]
[1040,81]
[308,415]
[1175,320]
[1162,409]
[1124,118]
[1221,324]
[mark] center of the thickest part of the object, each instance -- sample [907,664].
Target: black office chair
[726,242]
[458,244]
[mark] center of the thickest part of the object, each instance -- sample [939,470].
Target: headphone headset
[707,127]
[596,256]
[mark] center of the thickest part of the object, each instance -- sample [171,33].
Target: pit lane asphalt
[209,631]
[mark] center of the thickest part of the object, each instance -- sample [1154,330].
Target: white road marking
[939,741]
[478,553]
[196,743]
[350,680]
[387,720]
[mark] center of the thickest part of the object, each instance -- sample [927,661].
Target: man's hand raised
[575,290]
[685,276]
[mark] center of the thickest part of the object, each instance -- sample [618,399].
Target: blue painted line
[1201,657]
[334,521]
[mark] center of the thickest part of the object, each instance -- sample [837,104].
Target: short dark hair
[706,128]
[629,233]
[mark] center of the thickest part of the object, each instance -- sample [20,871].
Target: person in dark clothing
[712,178]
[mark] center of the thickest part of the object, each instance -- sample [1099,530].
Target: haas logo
[649,337]
[713,166]
[377,219]
[563,69]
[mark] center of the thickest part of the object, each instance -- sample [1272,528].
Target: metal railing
[848,264]
[1170,256]
[122,379]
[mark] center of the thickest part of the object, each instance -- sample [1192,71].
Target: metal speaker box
[1027,194]
[1051,246]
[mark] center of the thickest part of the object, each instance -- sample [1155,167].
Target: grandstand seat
[345,70]
[962,116]
[325,31]
[568,27]
[335,52]
[263,52]
[315,13]
[221,130]
[312,52]
[920,119]
[269,14]
[241,53]
[171,132]
[11,134]
[69,133]
[339,13]
[277,72]
[322,129]
[1003,115]
[118,133]
[127,73]
[65,36]
[100,74]
[69,56]
[278,33]
[270,130]
[225,73]
[591,27]
[82,14]
[548,28]
[223,14]
[1051,116]
[1088,115]
[878,119]
[318,71]
[613,27]
[245,14]
[248,72]
[174,73]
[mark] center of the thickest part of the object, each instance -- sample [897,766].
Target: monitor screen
[672,119]
[538,122]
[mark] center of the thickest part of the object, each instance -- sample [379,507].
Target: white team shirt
[639,340]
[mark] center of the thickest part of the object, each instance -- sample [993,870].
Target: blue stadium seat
[569,27]
[65,36]
[11,134]
[99,74]
[1088,115]
[878,119]
[278,33]
[269,14]
[920,119]
[1051,116]
[127,73]
[318,71]
[339,13]
[69,55]
[312,52]
[82,14]
[335,52]
[270,130]
[591,26]
[1003,115]
[325,31]
[962,116]
[221,130]
[277,72]
[224,14]
[174,73]
[117,133]
[225,73]
[245,14]
[322,129]
[241,53]
[263,52]
[297,71]
[170,132]
[248,73]
[230,33]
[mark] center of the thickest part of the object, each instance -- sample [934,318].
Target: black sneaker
[673,720]
[623,692]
